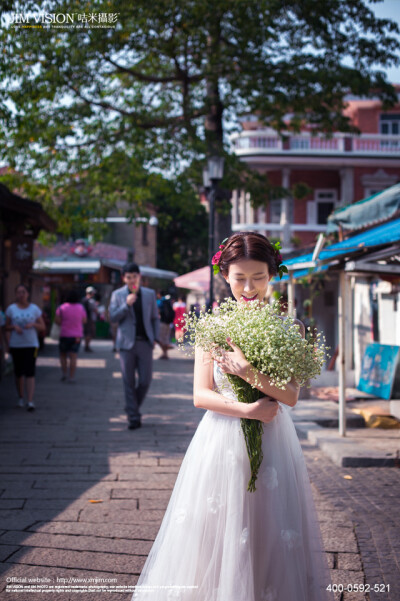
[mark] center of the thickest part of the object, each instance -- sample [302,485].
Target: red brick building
[339,170]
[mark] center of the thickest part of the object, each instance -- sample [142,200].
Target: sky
[389,9]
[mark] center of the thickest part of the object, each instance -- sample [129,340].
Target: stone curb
[343,451]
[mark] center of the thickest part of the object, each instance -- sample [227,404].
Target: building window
[275,210]
[319,209]
[389,124]
[324,209]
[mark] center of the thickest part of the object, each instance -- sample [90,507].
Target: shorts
[69,345]
[24,360]
[165,333]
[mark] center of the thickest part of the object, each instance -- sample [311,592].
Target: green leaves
[167,83]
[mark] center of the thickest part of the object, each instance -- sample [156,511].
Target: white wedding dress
[219,542]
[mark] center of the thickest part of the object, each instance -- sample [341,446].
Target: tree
[182,236]
[172,79]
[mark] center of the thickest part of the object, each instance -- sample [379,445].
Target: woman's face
[248,280]
[21,295]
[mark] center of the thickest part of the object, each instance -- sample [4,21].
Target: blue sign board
[378,369]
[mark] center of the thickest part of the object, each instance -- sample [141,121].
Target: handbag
[55,331]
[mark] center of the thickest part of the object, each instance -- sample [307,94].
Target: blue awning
[387,233]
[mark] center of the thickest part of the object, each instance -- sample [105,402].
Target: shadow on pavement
[81,496]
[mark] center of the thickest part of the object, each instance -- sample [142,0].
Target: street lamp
[212,174]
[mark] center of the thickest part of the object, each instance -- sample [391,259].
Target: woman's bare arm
[288,396]
[205,397]
[39,324]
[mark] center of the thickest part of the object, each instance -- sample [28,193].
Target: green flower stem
[252,428]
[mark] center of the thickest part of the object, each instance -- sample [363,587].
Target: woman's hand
[265,409]
[18,329]
[231,362]
[39,325]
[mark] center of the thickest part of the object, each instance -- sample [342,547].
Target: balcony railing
[267,143]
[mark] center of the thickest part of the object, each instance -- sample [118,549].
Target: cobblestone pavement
[81,496]
[369,501]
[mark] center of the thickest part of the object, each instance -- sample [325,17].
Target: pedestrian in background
[134,308]
[167,316]
[179,308]
[71,317]
[23,322]
[89,302]
[3,341]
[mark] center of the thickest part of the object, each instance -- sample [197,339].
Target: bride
[217,541]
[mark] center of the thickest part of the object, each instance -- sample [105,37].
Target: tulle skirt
[219,542]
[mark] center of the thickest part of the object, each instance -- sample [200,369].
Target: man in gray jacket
[135,310]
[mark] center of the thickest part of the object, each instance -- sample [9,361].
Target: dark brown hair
[248,245]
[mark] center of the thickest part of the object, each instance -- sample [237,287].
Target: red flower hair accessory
[216,258]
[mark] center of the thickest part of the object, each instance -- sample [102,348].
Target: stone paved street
[81,496]
[369,501]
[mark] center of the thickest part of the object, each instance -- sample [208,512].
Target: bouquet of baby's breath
[272,344]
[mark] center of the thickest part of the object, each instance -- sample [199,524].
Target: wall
[129,235]
[362,319]
[325,310]
[121,234]
[368,177]
[146,254]
[388,315]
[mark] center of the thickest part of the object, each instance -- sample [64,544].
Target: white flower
[180,515]
[270,477]
[214,504]
[231,457]
[174,594]
[272,345]
[291,538]
[244,537]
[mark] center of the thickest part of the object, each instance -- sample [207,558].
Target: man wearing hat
[134,308]
[89,329]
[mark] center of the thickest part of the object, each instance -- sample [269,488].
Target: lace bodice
[222,384]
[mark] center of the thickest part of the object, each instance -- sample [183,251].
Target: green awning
[353,247]
[366,213]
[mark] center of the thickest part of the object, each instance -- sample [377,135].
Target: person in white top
[23,321]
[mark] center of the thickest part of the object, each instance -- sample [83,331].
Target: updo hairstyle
[248,245]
